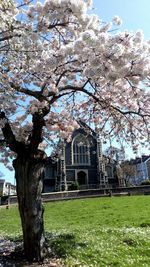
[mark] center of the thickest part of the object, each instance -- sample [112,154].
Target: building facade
[80,162]
[138,170]
[6,188]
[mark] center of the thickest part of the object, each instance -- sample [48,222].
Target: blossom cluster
[57,56]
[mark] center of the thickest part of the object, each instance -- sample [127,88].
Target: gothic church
[81,161]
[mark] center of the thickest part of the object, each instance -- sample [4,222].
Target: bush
[4,200]
[146,182]
[73,186]
[129,184]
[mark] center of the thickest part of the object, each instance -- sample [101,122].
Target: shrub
[73,186]
[146,182]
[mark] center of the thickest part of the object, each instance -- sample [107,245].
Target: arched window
[81,150]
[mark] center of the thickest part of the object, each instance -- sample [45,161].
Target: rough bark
[29,181]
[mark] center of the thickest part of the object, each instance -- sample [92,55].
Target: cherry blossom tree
[61,63]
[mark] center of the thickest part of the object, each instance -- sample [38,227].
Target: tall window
[81,150]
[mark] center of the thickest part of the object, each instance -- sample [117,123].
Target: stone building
[80,162]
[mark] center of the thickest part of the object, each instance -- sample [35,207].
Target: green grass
[97,232]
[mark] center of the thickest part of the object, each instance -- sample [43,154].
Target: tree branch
[38,122]
[5,38]
[102,102]
[36,94]
[2,141]
[9,136]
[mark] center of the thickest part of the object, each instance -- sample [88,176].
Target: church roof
[86,127]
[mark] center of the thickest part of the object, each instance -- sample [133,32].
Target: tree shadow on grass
[12,253]
[144,224]
[63,244]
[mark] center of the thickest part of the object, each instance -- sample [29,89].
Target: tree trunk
[29,181]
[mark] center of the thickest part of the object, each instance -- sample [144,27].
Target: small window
[49,172]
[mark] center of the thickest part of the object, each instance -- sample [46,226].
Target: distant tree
[59,64]
[129,172]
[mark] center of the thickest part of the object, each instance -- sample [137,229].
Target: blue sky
[135,15]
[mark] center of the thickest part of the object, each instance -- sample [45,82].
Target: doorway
[82,177]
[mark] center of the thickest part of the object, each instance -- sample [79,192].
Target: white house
[6,188]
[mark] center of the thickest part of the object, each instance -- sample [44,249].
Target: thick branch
[36,136]
[5,38]
[38,122]
[9,136]
[2,141]
[58,24]
[35,94]
[102,102]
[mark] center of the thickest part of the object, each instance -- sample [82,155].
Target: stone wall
[58,196]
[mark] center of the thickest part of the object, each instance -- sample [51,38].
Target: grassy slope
[94,232]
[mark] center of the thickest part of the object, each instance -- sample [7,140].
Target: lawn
[98,232]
